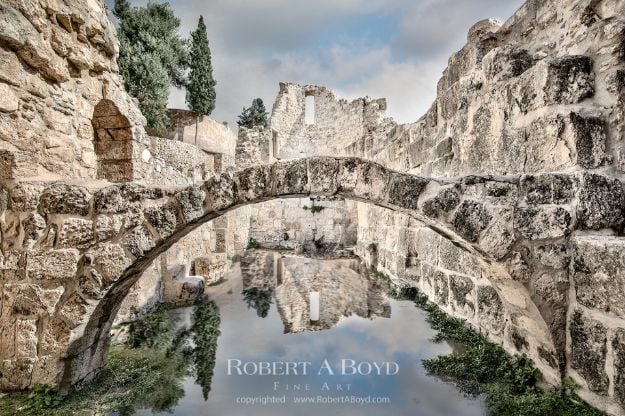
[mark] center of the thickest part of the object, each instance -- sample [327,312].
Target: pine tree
[152,57]
[201,89]
[121,8]
[256,115]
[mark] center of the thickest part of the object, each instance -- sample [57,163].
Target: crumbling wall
[538,93]
[336,123]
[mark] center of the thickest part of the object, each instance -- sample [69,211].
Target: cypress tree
[201,88]
[256,115]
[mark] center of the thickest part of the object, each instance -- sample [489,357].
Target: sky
[379,48]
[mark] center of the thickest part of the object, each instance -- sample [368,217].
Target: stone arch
[113,142]
[117,231]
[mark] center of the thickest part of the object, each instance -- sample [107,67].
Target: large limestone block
[601,202]
[599,273]
[589,350]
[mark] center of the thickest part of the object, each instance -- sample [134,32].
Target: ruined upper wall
[335,123]
[542,92]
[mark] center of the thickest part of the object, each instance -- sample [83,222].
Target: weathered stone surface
[404,190]
[53,264]
[542,223]
[444,202]
[220,192]
[599,273]
[74,310]
[548,188]
[163,218]
[553,255]
[462,299]
[139,241]
[291,177]
[470,219]
[118,198]
[499,237]
[590,140]
[323,173]
[8,99]
[75,232]
[211,268]
[16,164]
[107,226]
[588,351]
[490,309]
[34,226]
[569,79]
[29,300]
[253,183]
[437,284]
[55,337]
[601,202]
[191,202]
[60,198]
[618,346]
[25,196]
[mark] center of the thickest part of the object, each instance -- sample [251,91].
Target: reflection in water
[345,299]
[342,290]
[259,299]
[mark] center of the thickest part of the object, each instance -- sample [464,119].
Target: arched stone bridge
[71,252]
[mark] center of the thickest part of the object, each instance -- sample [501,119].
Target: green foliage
[152,331]
[120,8]
[314,208]
[144,373]
[236,258]
[41,398]
[152,56]
[201,89]
[481,367]
[256,115]
[205,333]
[258,299]
[253,244]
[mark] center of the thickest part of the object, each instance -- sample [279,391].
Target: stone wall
[292,224]
[541,92]
[336,124]
[57,64]
[202,131]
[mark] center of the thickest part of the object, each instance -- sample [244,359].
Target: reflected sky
[402,338]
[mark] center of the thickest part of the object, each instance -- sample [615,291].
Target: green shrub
[253,244]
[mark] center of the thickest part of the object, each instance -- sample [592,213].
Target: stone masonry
[515,222]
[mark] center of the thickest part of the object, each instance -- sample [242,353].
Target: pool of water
[361,357]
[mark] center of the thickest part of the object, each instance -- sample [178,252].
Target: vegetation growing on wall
[509,382]
[253,244]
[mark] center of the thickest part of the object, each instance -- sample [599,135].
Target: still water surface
[387,331]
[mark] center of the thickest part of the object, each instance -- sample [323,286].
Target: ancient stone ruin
[504,203]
